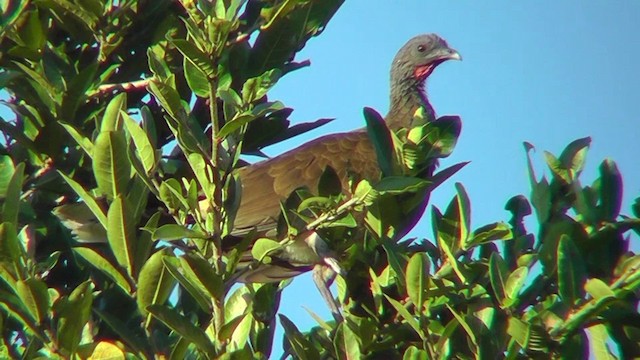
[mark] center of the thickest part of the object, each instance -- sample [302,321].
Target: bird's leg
[323,276]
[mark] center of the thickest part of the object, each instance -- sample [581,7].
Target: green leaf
[599,342]
[154,283]
[574,155]
[453,227]
[451,259]
[413,353]
[121,234]
[256,87]
[395,185]
[443,135]
[11,205]
[78,13]
[198,269]
[123,330]
[35,297]
[87,199]
[302,348]
[6,173]
[171,232]
[84,142]
[520,331]
[514,283]
[198,58]
[467,328]
[10,247]
[610,190]
[350,341]
[157,64]
[380,137]
[144,150]
[404,314]
[112,119]
[263,247]
[498,275]
[183,327]
[488,233]
[190,284]
[169,98]
[571,272]
[73,315]
[598,289]
[105,265]
[557,168]
[111,167]
[283,35]
[15,308]
[417,275]
[540,194]
[235,124]
[196,79]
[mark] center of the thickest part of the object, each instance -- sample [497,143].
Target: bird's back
[267,183]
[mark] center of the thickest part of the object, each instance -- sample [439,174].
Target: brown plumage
[267,183]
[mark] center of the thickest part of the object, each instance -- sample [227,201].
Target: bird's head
[417,59]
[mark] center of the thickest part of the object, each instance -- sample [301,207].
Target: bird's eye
[421,48]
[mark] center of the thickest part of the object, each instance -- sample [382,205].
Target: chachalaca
[268,183]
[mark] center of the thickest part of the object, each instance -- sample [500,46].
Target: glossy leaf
[90,202]
[197,80]
[598,289]
[381,140]
[573,157]
[301,347]
[73,316]
[515,282]
[183,327]
[105,265]
[418,279]
[154,282]
[499,273]
[110,164]
[198,58]
[488,233]
[34,296]
[121,234]
[198,269]
[144,150]
[404,314]
[171,232]
[610,190]
[11,205]
[571,273]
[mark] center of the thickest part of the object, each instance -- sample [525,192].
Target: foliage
[137,112]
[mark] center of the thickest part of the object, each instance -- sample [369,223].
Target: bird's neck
[406,98]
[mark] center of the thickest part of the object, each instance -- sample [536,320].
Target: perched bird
[267,183]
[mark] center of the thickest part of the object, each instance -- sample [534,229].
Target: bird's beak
[454,55]
[445,53]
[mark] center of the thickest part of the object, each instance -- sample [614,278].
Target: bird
[268,183]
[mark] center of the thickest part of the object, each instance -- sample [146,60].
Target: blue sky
[546,72]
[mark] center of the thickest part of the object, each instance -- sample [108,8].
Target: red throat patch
[421,72]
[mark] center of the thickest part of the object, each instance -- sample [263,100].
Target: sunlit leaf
[571,272]
[182,326]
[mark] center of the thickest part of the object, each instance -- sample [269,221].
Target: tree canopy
[138,113]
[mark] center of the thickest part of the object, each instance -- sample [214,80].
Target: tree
[134,108]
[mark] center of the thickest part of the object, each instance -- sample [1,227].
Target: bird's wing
[267,183]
